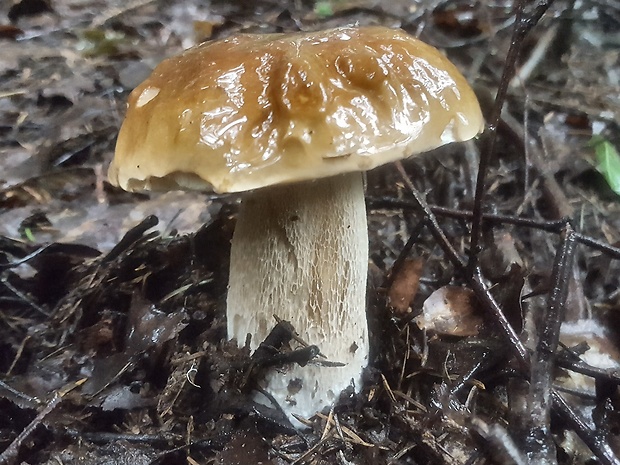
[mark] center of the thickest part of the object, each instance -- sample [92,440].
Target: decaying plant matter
[493,280]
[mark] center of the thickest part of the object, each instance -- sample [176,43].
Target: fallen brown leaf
[405,285]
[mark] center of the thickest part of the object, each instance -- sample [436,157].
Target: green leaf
[29,235]
[608,162]
[323,9]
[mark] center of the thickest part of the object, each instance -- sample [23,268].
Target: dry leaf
[405,285]
[450,310]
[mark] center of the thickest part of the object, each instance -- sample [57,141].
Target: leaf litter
[112,320]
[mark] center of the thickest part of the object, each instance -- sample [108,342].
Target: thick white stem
[300,252]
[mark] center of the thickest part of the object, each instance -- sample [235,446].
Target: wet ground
[112,305]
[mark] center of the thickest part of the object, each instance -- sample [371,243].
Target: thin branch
[607,249]
[10,453]
[553,226]
[596,443]
[579,366]
[539,442]
[485,297]
[404,253]
[599,446]
[433,225]
[130,237]
[523,24]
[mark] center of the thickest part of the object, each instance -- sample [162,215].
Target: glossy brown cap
[256,110]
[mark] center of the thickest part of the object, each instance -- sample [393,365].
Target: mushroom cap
[257,110]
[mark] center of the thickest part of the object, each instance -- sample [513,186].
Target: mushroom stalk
[300,252]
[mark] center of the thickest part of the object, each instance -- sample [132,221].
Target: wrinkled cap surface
[256,110]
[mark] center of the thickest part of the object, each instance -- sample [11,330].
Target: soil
[113,342]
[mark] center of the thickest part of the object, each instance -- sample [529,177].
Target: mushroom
[293,120]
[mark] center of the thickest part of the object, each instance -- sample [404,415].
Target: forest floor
[112,304]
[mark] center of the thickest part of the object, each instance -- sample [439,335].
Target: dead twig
[133,235]
[539,443]
[11,453]
[433,225]
[598,445]
[115,12]
[553,226]
[523,24]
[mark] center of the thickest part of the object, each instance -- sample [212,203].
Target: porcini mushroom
[293,120]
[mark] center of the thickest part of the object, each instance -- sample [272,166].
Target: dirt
[112,305]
